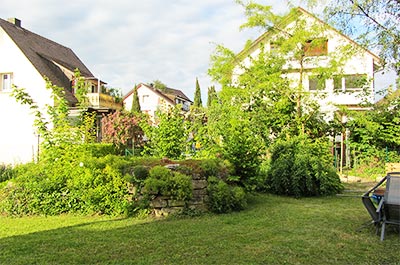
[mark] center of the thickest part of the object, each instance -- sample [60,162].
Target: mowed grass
[273,230]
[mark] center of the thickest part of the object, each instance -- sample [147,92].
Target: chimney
[15,21]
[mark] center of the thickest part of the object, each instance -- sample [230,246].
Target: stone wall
[164,205]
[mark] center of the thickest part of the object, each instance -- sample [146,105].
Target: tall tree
[272,64]
[197,96]
[300,42]
[211,96]
[135,101]
[168,137]
[374,24]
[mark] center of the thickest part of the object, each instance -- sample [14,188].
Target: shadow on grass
[273,230]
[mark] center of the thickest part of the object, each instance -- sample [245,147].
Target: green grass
[273,230]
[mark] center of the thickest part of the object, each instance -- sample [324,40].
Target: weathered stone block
[199,193]
[175,203]
[159,202]
[199,184]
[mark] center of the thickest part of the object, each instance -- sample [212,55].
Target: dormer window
[5,82]
[316,47]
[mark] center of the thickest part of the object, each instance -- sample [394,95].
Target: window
[316,47]
[338,84]
[6,82]
[274,46]
[355,82]
[315,83]
[350,82]
[145,98]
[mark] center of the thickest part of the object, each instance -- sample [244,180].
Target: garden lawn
[273,230]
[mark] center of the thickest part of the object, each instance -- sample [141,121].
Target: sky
[127,42]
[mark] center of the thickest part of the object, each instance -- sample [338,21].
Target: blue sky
[127,42]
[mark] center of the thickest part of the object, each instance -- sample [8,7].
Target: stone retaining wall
[164,205]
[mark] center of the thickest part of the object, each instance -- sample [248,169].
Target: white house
[346,88]
[152,99]
[26,59]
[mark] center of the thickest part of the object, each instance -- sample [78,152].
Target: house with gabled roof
[152,99]
[348,88]
[27,59]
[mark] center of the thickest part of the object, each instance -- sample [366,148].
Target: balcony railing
[98,101]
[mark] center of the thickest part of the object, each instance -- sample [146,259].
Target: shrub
[300,167]
[72,182]
[217,167]
[138,174]
[6,172]
[223,198]
[210,167]
[162,181]
[101,149]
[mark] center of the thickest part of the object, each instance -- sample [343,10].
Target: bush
[72,182]
[217,167]
[209,167]
[138,174]
[100,149]
[300,168]
[6,172]
[162,181]
[223,198]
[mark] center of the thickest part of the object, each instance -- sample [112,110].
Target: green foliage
[210,167]
[221,65]
[121,129]
[374,134]
[140,172]
[370,25]
[233,132]
[162,181]
[6,172]
[135,101]
[223,198]
[212,96]
[300,167]
[67,181]
[100,149]
[159,85]
[56,128]
[197,96]
[168,137]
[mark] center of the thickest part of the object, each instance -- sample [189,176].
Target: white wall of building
[149,101]
[18,139]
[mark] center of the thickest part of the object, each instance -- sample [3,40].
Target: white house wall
[18,140]
[149,101]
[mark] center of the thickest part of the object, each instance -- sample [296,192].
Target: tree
[159,85]
[374,24]
[135,101]
[270,84]
[58,131]
[300,44]
[211,96]
[120,128]
[375,135]
[167,137]
[197,96]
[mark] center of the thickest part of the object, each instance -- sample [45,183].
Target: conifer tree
[197,95]
[212,96]
[135,101]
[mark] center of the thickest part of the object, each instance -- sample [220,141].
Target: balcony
[103,101]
